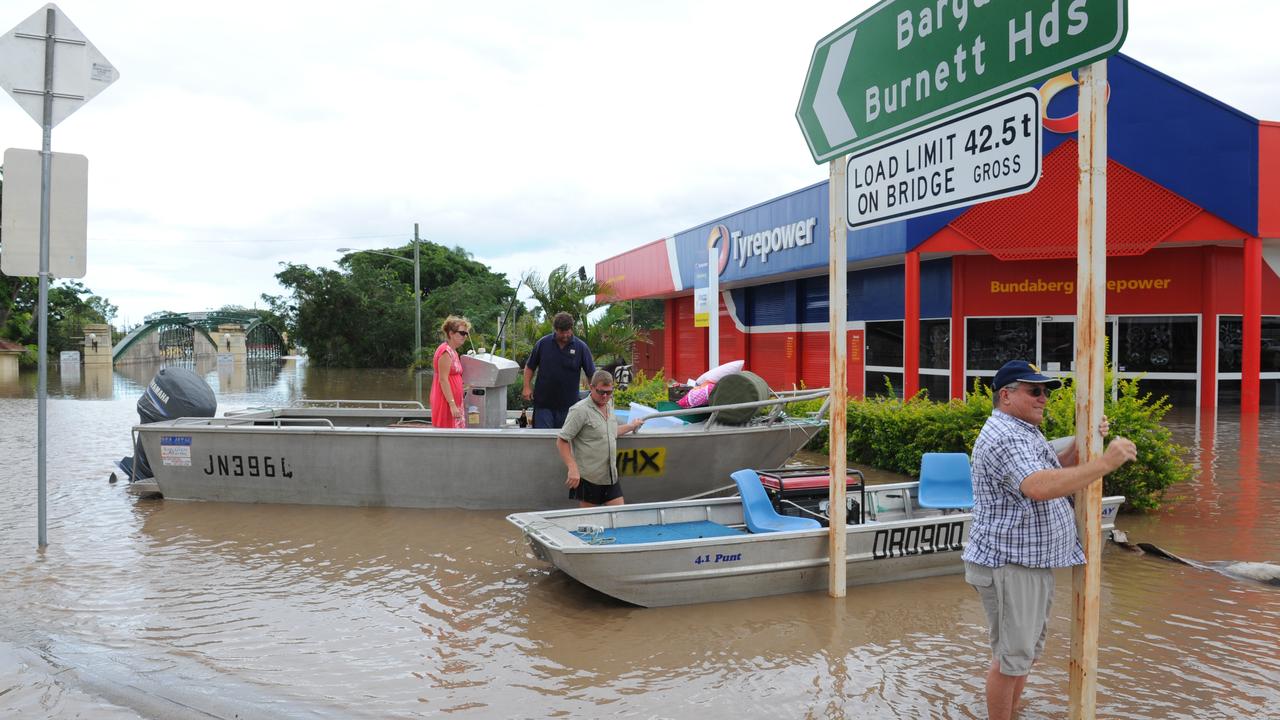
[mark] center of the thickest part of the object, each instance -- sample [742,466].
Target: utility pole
[417,309]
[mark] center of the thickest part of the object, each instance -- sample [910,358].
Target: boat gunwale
[265,423]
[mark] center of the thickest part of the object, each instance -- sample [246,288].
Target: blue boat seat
[945,482]
[758,511]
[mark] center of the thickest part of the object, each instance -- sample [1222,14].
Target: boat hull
[506,468]
[745,565]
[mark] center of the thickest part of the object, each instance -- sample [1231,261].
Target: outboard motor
[174,392]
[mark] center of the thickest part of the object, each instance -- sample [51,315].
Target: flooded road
[177,609]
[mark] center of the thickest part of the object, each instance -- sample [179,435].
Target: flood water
[166,609]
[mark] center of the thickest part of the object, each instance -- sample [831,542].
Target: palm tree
[580,295]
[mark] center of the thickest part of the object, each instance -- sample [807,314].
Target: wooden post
[839,340]
[1091,282]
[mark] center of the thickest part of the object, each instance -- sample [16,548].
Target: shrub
[1136,416]
[892,434]
[644,390]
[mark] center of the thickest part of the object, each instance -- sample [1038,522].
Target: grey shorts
[1017,600]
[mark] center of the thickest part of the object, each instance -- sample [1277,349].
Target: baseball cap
[1023,371]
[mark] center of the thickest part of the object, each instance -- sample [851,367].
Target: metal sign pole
[1091,282]
[417,309]
[838,265]
[42,334]
[713,303]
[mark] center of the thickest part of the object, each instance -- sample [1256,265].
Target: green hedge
[644,390]
[890,434]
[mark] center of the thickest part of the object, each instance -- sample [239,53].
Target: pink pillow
[716,374]
[697,397]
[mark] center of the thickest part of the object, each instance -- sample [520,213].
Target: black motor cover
[174,392]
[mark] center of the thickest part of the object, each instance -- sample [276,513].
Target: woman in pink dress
[446,388]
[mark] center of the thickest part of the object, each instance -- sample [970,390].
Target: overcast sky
[241,135]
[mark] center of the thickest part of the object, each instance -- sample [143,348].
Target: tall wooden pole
[838,265]
[1091,283]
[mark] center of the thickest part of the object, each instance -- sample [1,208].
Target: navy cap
[1023,371]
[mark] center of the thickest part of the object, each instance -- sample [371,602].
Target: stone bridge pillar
[231,341]
[97,346]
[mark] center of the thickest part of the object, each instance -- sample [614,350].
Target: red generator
[803,491]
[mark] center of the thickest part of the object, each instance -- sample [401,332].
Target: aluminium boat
[386,454]
[698,551]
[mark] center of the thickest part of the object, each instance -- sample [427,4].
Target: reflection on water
[149,608]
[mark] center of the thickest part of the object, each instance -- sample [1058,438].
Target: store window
[878,384]
[992,342]
[884,344]
[1231,342]
[884,358]
[935,344]
[939,386]
[1058,344]
[1157,344]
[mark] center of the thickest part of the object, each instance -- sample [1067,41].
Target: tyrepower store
[1193,252]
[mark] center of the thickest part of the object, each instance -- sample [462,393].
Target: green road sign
[904,63]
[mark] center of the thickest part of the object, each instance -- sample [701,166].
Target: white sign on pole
[68,214]
[988,153]
[79,71]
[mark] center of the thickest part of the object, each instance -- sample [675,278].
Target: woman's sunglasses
[463,333]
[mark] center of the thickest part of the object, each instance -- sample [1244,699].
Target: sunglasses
[603,392]
[1037,391]
[463,333]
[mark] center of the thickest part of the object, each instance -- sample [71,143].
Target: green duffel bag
[739,387]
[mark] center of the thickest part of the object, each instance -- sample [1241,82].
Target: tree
[610,338]
[363,315]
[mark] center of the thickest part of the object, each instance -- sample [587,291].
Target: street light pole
[417,300]
[417,308]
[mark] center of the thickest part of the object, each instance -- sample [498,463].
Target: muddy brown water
[179,609]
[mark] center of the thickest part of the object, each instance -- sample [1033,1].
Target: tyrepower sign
[906,63]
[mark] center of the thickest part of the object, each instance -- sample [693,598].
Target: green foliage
[643,314]
[71,307]
[891,434]
[644,390]
[610,338]
[364,315]
[1134,415]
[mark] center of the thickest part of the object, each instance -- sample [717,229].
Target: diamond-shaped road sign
[79,71]
[904,63]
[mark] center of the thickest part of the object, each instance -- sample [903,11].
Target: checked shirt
[1009,527]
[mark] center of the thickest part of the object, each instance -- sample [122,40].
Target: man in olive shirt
[588,445]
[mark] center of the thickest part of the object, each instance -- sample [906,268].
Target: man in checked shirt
[1023,524]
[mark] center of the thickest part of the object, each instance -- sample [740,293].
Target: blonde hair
[453,323]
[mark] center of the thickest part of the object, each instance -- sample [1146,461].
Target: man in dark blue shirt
[559,359]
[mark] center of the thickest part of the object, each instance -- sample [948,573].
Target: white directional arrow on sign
[832,116]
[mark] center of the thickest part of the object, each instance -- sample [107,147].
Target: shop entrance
[1048,341]
[1057,343]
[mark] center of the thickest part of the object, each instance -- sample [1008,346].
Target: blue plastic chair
[759,512]
[945,482]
